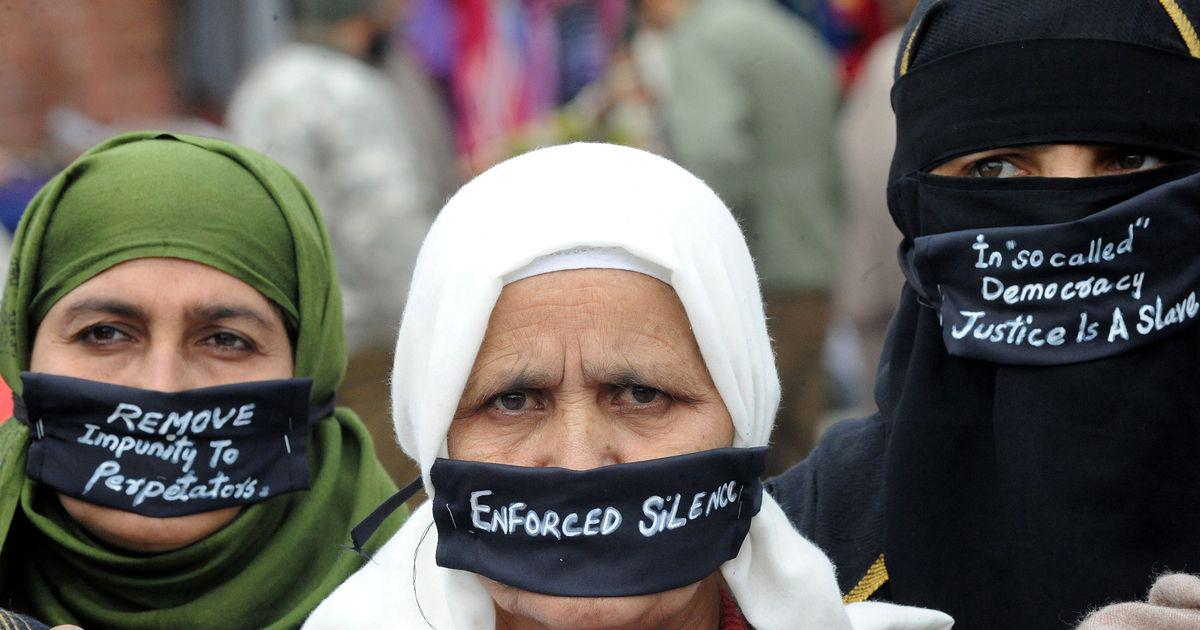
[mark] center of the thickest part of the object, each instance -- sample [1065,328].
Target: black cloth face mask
[1077,283]
[626,529]
[1025,495]
[166,454]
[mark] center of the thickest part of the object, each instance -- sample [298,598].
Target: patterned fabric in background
[507,63]
[15,193]
[6,407]
[510,62]
[849,26]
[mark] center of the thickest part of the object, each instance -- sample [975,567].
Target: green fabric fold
[150,194]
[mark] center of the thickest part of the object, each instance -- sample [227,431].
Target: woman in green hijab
[156,272]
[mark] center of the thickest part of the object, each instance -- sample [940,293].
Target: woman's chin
[536,610]
[144,534]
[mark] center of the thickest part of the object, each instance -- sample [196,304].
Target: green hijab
[149,194]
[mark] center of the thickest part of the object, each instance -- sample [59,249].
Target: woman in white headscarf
[591,308]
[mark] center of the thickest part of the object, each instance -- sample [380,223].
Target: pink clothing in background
[508,63]
[6,407]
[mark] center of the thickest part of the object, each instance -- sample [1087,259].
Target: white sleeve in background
[5,252]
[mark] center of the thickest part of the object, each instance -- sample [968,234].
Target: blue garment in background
[14,196]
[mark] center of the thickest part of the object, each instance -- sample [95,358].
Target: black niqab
[1019,496]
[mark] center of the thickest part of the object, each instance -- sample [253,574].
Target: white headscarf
[609,207]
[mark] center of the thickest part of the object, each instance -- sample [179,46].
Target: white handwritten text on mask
[660,513]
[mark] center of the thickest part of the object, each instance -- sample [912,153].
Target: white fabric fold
[588,258]
[513,218]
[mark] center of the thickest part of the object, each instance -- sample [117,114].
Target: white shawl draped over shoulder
[583,197]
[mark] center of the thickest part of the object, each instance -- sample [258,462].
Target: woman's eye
[512,402]
[102,335]
[641,395]
[228,340]
[1136,162]
[993,167]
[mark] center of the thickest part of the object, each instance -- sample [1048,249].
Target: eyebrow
[111,307]
[221,312]
[621,373]
[657,375]
[129,310]
[483,389]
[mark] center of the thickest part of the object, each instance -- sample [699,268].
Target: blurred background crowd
[384,107]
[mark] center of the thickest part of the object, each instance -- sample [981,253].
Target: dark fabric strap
[20,411]
[1038,91]
[365,529]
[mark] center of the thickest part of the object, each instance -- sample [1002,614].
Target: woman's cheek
[480,437]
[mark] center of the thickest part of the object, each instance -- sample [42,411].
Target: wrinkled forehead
[590,327]
[590,292]
[594,314]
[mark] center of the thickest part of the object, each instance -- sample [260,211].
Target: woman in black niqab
[1012,484]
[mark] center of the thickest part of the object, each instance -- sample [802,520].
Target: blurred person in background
[749,108]
[5,252]
[427,114]
[19,182]
[322,108]
[849,26]
[159,284]
[5,392]
[869,280]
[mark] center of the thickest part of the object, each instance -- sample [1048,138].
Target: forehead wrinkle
[651,353]
[504,369]
[675,373]
[565,323]
[518,303]
[227,311]
[620,369]
[539,324]
[650,338]
[512,380]
[561,300]
[526,341]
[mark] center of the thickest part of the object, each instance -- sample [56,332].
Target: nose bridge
[581,436]
[165,367]
[1070,160]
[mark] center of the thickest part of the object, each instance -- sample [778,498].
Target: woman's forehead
[161,286]
[610,320]
[596,295]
